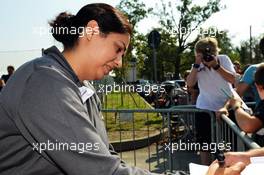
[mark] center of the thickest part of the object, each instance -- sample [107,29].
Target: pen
[220,157]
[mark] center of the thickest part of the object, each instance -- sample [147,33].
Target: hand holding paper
[233,157]
[237,167]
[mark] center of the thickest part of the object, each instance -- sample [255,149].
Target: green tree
[244,51]
[165,56]
[135,11]
[190,18]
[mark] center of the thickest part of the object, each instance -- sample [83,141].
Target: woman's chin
[100,76]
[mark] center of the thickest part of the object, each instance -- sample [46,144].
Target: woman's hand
[235,169]
[233,102]
[198,58]
[220,112]
[234,157]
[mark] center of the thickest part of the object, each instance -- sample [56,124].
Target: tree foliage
[135,11]
[181,19]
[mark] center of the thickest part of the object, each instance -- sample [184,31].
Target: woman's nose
[118,62]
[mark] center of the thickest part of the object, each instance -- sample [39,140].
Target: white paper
[255,168]
[196,169]
[257,160]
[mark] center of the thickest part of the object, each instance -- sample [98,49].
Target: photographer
[10,72]
[213,72]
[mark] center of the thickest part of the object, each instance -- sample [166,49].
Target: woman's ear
[91,29]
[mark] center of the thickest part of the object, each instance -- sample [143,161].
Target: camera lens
[208,57]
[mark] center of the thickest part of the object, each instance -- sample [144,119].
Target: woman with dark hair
[52,123]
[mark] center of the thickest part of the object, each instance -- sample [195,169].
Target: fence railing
[153,138]
[228,131]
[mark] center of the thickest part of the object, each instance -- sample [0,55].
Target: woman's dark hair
[108,18]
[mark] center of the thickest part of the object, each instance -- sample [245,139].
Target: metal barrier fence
[155,136]
[228,131]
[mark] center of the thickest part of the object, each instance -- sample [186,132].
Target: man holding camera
[213,73]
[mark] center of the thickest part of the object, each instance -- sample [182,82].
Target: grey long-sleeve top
[42,105]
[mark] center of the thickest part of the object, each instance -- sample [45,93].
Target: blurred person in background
[247,81]
[10,71]
[237,67]
[248,95]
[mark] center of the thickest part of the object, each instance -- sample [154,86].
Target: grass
[125,101]
[117,124]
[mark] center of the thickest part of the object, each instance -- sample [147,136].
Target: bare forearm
[192,78]
[256,152]
[242,118]
[247,122]
[228,76]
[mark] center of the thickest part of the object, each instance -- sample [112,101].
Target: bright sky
[24,24]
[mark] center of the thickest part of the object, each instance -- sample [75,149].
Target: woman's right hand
[198,58]
[220,112]
[235,102]
[235,169]
[234,157]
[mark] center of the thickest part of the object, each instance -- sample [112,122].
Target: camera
[207,56]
